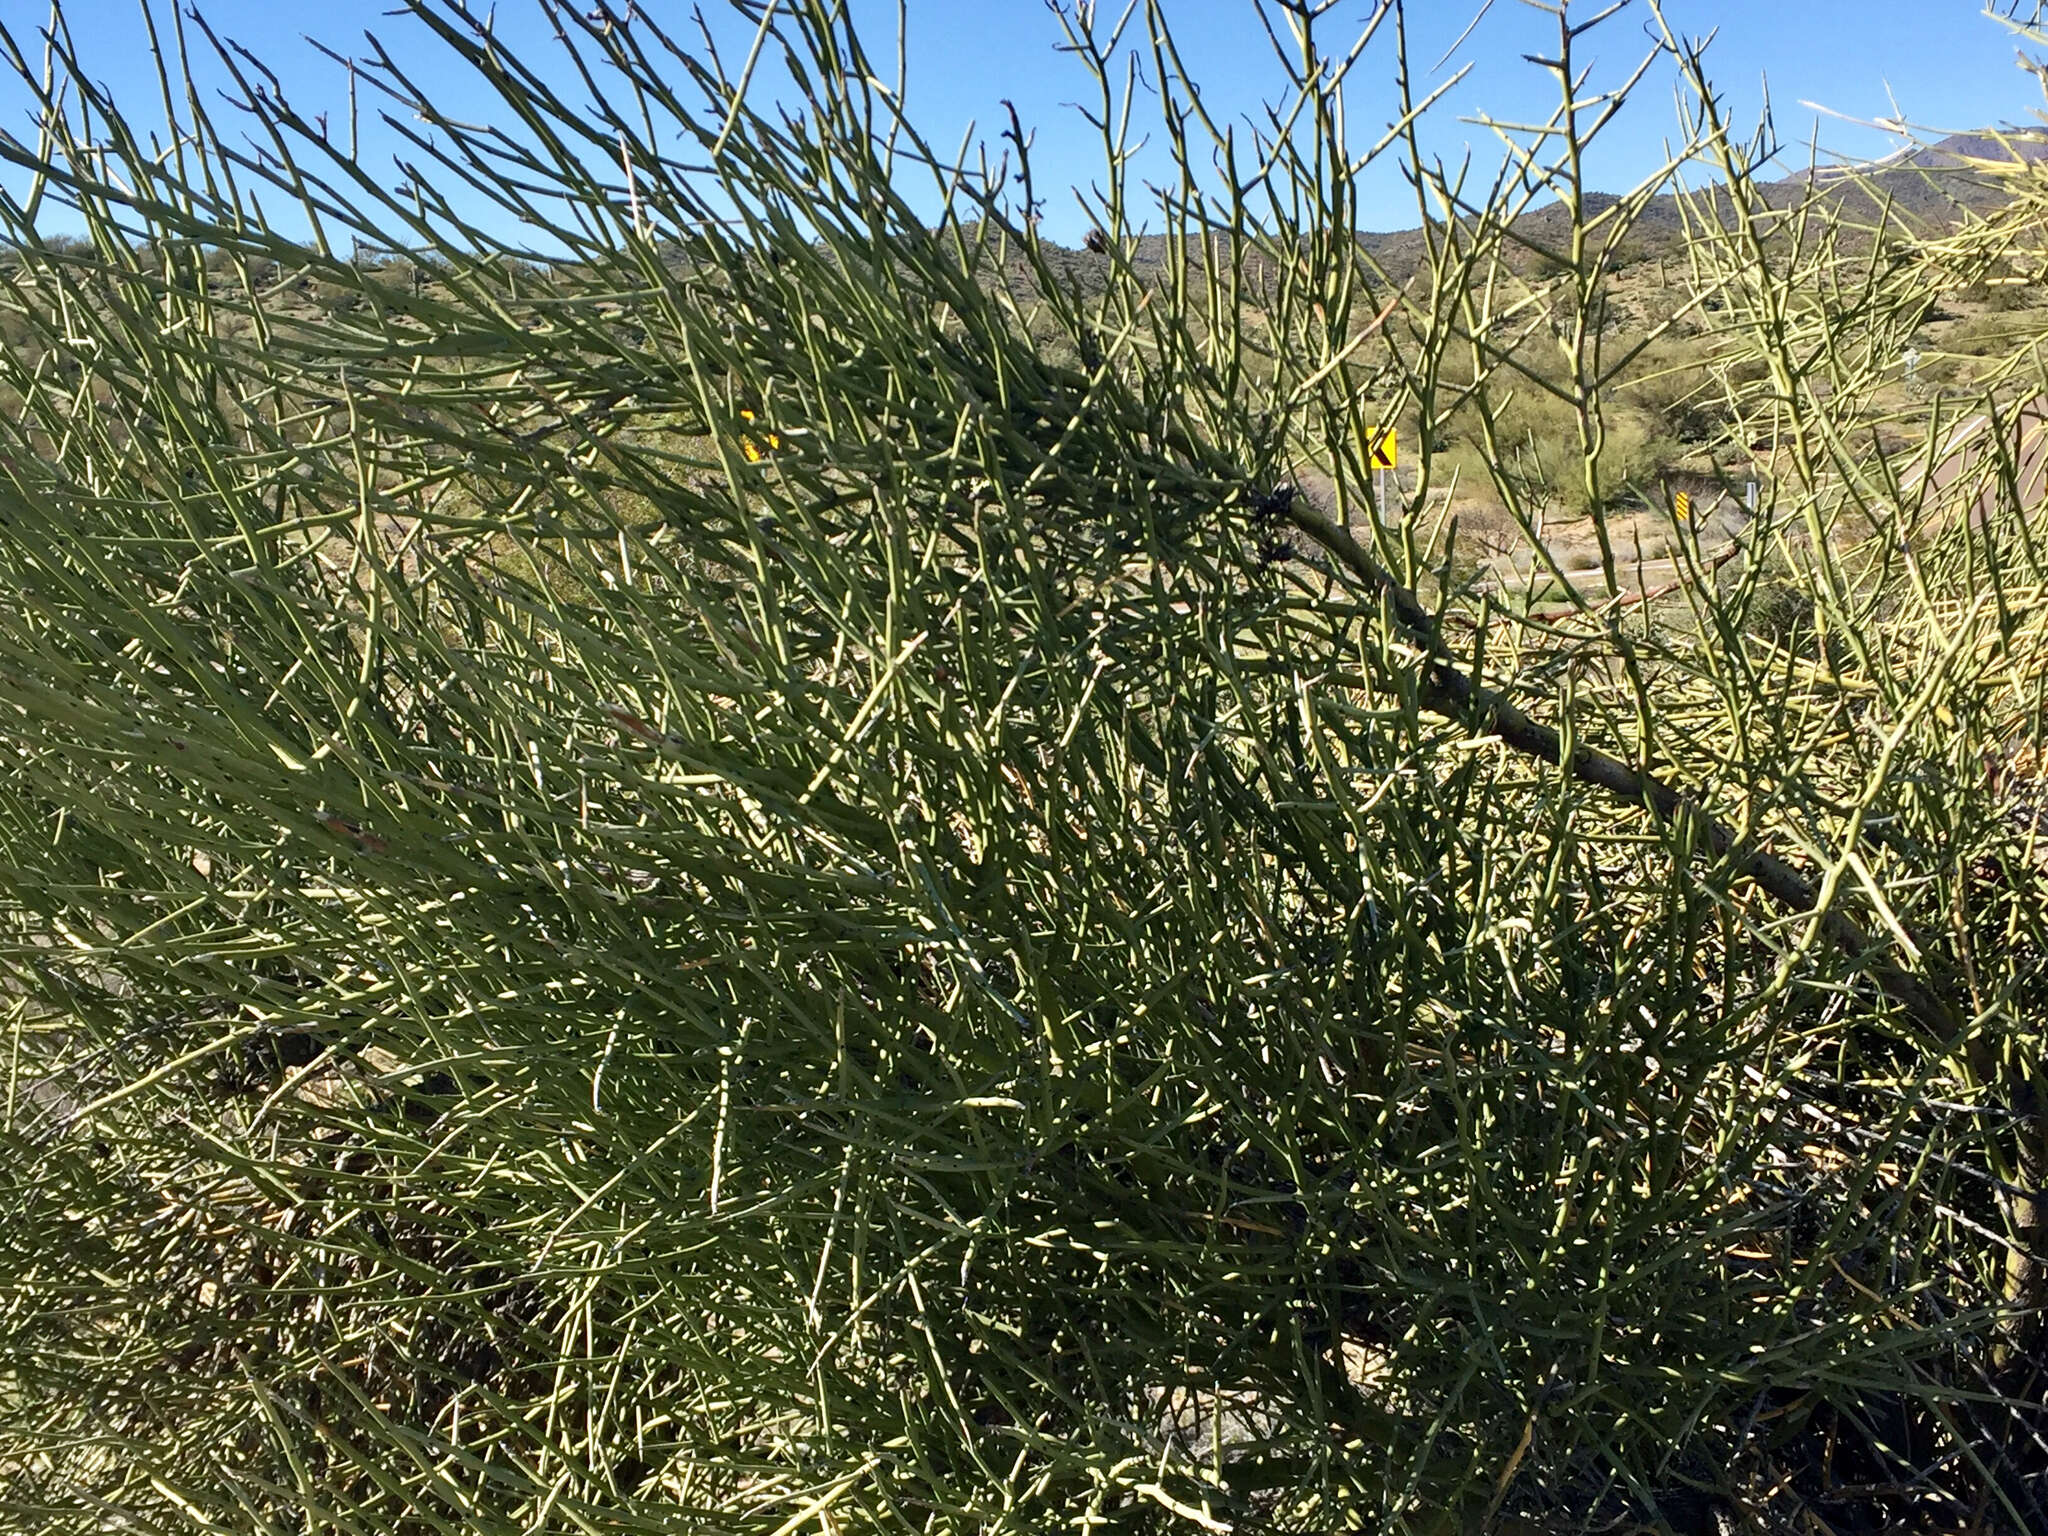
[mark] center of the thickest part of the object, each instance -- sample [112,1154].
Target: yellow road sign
[1681,505]
[753,450]
[1386,451]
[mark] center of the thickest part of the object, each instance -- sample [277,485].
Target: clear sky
[1946,64]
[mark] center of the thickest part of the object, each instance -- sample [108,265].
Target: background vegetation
[1025,954]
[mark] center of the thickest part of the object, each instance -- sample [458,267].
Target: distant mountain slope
[1950,154]
[1930,185]
[1927,187]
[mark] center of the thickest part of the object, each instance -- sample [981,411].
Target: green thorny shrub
[952,956]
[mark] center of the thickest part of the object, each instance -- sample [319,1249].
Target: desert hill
[1926,188]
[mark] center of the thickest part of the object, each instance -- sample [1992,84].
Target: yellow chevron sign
[1386,451]
[754,451]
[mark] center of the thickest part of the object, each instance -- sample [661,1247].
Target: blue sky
[1946,64]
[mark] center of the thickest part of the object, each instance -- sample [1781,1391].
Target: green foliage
[1993,334]
[933,976]
[1779,611]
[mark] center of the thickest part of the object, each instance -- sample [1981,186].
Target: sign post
[1386,455]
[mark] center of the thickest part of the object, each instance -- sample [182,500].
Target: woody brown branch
[1446,691]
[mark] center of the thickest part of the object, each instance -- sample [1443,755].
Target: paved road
[1966,454]
[1718,523]
[1962,469]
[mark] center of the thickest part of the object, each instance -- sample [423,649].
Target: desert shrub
[937,975]
[1941,370]
[1995,335]
[1994,298]
[1779,611]
[1679,394]
[1537,453]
